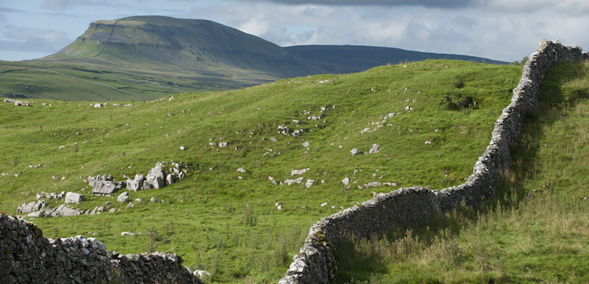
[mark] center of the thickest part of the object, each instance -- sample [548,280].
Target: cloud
[425,3]
[33,39]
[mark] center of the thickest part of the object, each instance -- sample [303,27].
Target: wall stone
[28,257]
[316,262]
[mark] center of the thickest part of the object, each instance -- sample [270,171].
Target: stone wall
[316,261]
[28,257]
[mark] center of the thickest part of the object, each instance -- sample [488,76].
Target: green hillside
[226,221]
[534,231]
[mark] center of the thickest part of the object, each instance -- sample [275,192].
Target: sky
[504,30]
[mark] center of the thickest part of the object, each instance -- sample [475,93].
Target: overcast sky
[498,29]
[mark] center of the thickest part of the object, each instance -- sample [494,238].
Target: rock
[156,177]
[123,197]
[64,211]
[374,149]
[153,199]
[306,144]
[182,148]
[355,152]
[291,181]
[241,170]
[104,188]
[346,181]
[284,130]
[72,197]
[171,178]
[31,206]
[202,274]
[298,172]
[128,234]
[309,183]
[223,144]
[135,184]
[373,184]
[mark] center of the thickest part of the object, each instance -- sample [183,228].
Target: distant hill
[189,45]
[350,58]
[148,57]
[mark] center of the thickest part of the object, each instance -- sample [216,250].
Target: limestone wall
[316,262]
[28,257]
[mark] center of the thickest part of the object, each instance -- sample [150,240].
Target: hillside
[149,57]
[185,45]
[337,59]
[533,231]
[234,213]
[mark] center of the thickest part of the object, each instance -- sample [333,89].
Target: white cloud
[33,39]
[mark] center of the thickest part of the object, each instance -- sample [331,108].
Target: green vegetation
[225,221]
[535,231]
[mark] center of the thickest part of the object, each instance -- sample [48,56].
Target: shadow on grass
[360,260]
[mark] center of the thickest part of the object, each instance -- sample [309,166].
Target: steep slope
[349,58]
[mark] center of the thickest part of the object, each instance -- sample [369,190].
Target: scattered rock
[309,183]
[72,197]
[135,184]
[123,197]
[298,172]
[202,274]
[346,181]
[374,149]
[153,199]
[355,152]
[31,206]
[291,181]
[241,170]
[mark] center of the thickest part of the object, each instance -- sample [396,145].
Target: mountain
[149,57]
[349,58]
[189,45]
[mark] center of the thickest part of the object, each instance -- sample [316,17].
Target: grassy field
[535,231]
[97,82]
[225,221]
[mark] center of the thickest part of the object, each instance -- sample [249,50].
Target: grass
[535,231]
[225,221]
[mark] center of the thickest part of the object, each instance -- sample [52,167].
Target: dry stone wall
[316,261]
[28,257]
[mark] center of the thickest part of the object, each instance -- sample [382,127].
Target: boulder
[171,178]
[64,211]
[104,187]
[31,206]
[156,177]
[136,183]
[72,197]
[123,197]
